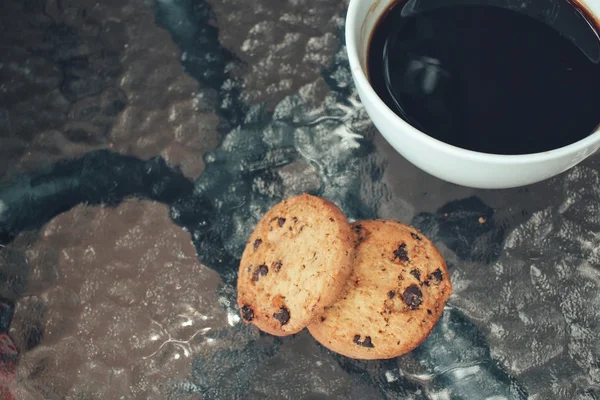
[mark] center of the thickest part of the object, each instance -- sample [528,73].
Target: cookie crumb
[388,307]
[401,253]
[247,313]
[481,220]
[412,297]
[283,316]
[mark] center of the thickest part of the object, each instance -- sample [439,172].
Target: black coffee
[488,78]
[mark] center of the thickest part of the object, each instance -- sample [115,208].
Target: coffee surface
[487,78]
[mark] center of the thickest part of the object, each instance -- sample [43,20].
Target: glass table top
[140,141]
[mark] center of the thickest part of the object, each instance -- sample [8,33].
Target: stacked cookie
[367,290]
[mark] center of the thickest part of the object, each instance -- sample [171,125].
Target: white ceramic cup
[445,161]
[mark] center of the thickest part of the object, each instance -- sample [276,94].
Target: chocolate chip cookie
[393,298]
[295,264]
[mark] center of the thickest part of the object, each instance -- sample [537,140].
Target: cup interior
[368,12]
[364,15]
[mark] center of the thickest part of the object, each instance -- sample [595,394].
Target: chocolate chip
[247,313]
[357,228]
[429,312]
[294,219]
[391,294]
[257,243]
[331,220]
[365,343]
[262,270]
[437,275]
[323,319]
[415,236]
[280,222]
[416,273]
[412,297]
[277,266]
[283,316]
[401,253]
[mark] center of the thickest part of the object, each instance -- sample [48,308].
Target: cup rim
[361,80]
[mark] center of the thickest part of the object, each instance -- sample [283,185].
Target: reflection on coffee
[487,77]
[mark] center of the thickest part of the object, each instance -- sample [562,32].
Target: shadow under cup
[460,164]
